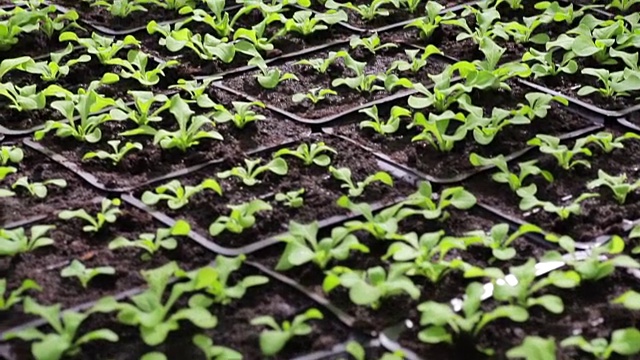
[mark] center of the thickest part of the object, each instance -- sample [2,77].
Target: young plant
[151,310]
[214,282]
[10,154]
[523,33]
[144,112]
[242,217]
[14,242]
[292,199]
[433,206]
[118,152]
[551,145]
[54,69]
[25,98]
[504,176]
[428,24]
[608,143]
[270,78]
[176,195]
[361,82]
[484,128]
[214,352]
[79,270]
[314,95]
[625,342]
[534,348]
[367,11]
[87,105]
[108,214]
[304,247]
[545,65]
[306,22]
[427,255]
[121,8]
[357,188]
[135,67]
[191,128]
[537,106]
[618,185]
[249,174]
[38,189]
[64,340]
[322,65]
[499,240]
[206,47]
[415,62]
[369,287]
[554,12]
[272,341]
[382,225]
[103,47]
[622,5]
[443,94]
[309,153]
[243,115]
[435,130]
[164,238]
[444,325]
[371,43]
[528,200]
[197,90]
[381,126]
[16,296]
[523,292]
[615,84]
[487,26]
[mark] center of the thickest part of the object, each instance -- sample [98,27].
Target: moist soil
[140,167]
[308,78]
[600,215]
[423,157]
[321,191]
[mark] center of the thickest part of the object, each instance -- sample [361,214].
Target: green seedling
[108,214]
[528,200]
[15,241]
[176,195]
[309,153]
[504,176]
[16,296]
[273,340]
[251,171]
[118,153]
[292,199]
[164,238]
[356,188]
[242,217]
[79,270]
[381,126]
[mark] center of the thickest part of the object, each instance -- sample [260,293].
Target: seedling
[152,311]
[371,43]
[10,154]
[16,296]
[428,24]
[64,339]
[499,240]
[427,254]
[164,238]
[214,281]
[435,129]
[528,200]
[38,189]
[545,65]
[135,67]
[272,341]
[309,153]
[622,5]
[14,242]
[142,115]
[515,181]
[625,342]
[361,82]
[433,206]
[269,78]
[443,94]
[380,126]
[54,69]
[214,352]
[118,152]
[443,325]
[306,22]
[242,217]
[551,145]
[26,98]
[191,128]
[416,62]
[615,84]
[554,12]
[356,188]
[292,199]
[382,225]
[524,32]
[122,8]
[487,26]
[618,185]
[207,47]
[243,115]
[176,195]
[367,11]
[103,47]
[256,36]
[314,95]
[249,174]
[304,247]
[608,143]
[197,91]
[79,270]
[534,348]
[109,211]
[368,288]
[322,65]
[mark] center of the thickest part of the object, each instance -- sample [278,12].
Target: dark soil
[140,167]
[426,159]
[346,98]
[601,215]
[321,191]
[44,264]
